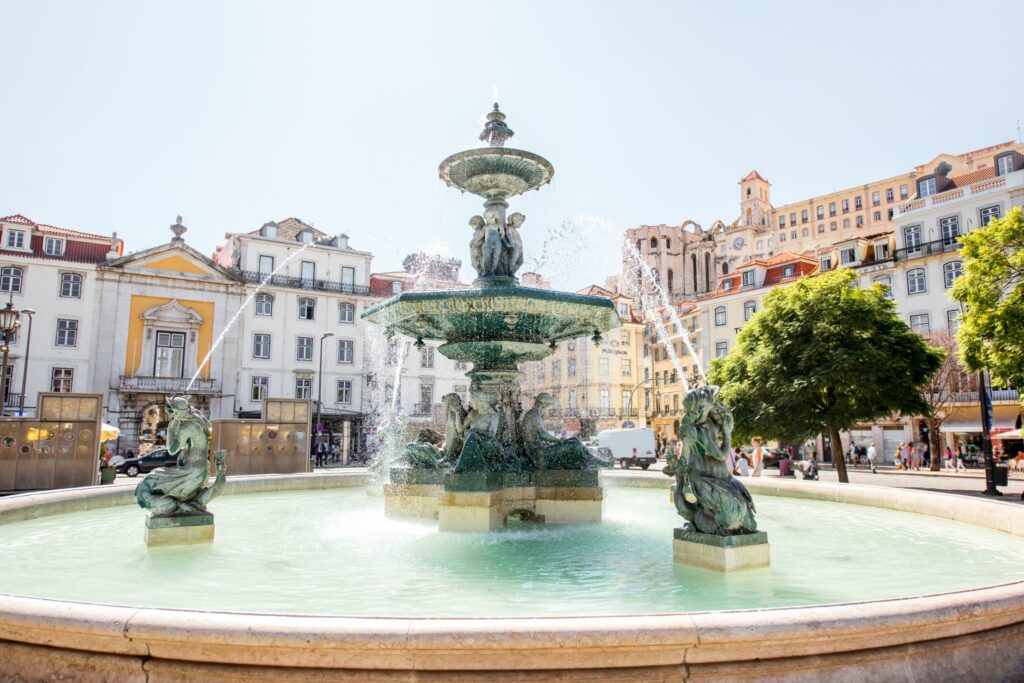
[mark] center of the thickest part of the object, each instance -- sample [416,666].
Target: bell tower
[755,201]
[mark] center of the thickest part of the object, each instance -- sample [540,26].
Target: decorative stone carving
[546,450]
[707,496]
[512,255]
[433,450]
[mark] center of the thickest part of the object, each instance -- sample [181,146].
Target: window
[264,304]
[307,273]
[261,346]
[848,255]
[881,250]
[348,278]
[949,229]
[571,367]
[792,235]
[926,187]
[344,391]
[67,332]
[989,214]
[540,370]
[787,271]
[886,283]
[876,198]
[259,388]
[306,236]
[904,192]
[627,402]
[748,278]
[832,226]
[912,237]
[877,216]
[304,348]
[919,323]
[604,367]
[346,312]
[53,246]
[826,263]
[916,281]
[654,243]
[62,380]
[571,344]
[951,271]
[857,203]
[782,237]
[889,195]
[345,350]
[721,349]
[803,216]
[269,230]
[846,206]
[749,309]
[266,265]
[170,354]
[623,310]
[556,369]
[806,232]
[821,228]
[831,208]
[572,400]
[626,368]
[720,316]
[10,279]
[303,386]
[71,285]
[860,221]
[953,321]
[821,211]
[307,309]
[396,287]
[782,221]
[846,223]
[792,219]
[668,243]
[427,357]
[16,239]
[1004,165]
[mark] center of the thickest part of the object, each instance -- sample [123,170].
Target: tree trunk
[837,455]
[935,445]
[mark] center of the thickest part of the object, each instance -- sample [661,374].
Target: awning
[1013,434]
[999,422]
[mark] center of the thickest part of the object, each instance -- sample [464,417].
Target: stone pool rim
[937,633]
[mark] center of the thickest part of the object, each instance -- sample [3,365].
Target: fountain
[495,459]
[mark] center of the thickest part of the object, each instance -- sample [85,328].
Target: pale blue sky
[120,115]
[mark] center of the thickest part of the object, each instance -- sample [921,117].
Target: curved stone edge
[522,643]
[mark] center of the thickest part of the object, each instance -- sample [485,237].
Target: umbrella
[1015,434]
[109,432]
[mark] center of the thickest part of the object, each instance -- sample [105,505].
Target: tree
[940,391]
[992,289]
[823,356]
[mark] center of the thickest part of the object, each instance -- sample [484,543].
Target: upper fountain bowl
[496,172]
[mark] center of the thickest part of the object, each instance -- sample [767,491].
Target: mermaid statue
[183,490]
[707,496]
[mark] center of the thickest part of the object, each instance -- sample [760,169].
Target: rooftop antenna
[1018,131]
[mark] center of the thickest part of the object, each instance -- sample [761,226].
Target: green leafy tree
[992,289]
[823,356]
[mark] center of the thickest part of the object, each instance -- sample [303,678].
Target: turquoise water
[334,552]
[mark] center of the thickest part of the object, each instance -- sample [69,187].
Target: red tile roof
[18,219]
[754,175]
[973,177]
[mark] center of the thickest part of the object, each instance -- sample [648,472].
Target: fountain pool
[334,552]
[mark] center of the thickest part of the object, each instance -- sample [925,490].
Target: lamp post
[10,321]
[320,386]
[986,428]
[28,347]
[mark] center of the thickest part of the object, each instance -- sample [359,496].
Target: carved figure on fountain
[481,452]
[512,254]
[546,450]
[433,450]
[183,489]
[707,496]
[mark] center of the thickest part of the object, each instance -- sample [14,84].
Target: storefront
[964,424]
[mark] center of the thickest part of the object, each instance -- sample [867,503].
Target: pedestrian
[742,466]
[949,458]
[873,458]
[913,457]
[756,458]
[898,456]
[960,457]
[926,455]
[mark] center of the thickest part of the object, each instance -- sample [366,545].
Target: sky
[118,116]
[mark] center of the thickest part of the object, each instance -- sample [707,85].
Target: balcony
[1015,179]
[331,286]
[168,385]
[926,249]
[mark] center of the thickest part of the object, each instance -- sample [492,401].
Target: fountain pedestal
[721,553]
[181,529]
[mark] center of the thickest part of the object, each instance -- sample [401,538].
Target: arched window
[264,304]
[749,309]
[71,285]
[654,243]
[10,279]
[307,308]
[951,271]
[720,316]
[707,271]
[750,215]
[916,283]
[668,243]
[669,280]
[725,269]
[693,269]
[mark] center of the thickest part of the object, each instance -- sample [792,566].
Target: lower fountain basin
[523,600]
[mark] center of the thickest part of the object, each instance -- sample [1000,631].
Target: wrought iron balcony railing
[168,385]
[942,246]
[304,283]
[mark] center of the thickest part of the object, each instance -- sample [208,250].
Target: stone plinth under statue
[495,459]
[721,553]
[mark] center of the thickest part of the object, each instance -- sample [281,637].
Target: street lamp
[10,321]
[320,385]
[986,427]
[28,347]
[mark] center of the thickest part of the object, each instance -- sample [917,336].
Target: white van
[629,446]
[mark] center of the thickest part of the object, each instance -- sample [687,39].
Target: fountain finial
[496,132]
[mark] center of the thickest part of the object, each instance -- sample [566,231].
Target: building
[163,318]
[670,366]
[594,386]
[300,332]
[49,273]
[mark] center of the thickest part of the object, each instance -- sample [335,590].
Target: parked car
[602,454]
[772,456]
[628,447]
[158,457]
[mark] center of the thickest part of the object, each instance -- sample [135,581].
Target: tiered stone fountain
[495,459]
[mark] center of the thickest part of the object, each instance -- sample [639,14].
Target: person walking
[873,458]
[756,458]
[960,457]
[898,456]
[949,459]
